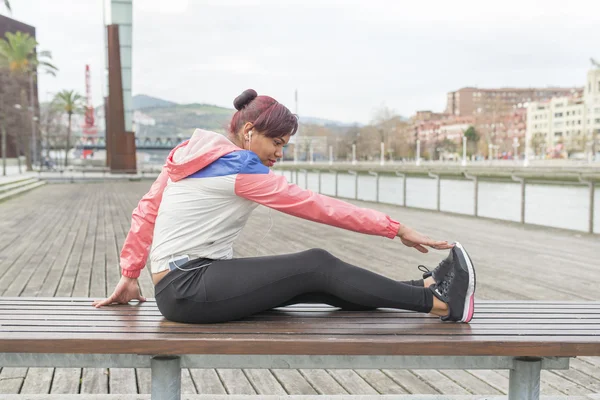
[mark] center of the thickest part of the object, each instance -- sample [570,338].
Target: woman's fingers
[440,245]
[421,248]
[105,302]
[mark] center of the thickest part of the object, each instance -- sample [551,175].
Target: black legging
[232,289]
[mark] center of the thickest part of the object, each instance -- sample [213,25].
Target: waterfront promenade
[64,240]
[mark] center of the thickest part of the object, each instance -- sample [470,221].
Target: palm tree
[7,6]
[19,57]
[70,102]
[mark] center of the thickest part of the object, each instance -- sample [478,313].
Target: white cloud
[161,6]
[344,56]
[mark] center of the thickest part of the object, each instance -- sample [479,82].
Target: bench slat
[511,328]
[400,327]
[507,320]
[164,343]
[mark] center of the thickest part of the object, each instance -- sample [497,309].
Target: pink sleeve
[138,241]
[275,192]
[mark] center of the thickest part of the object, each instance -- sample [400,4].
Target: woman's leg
[233,289]
[341,303]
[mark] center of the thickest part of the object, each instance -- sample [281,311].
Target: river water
[565,206]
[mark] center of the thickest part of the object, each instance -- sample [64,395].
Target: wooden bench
[522,336]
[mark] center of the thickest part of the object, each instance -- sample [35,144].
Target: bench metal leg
[166,378]
[524,381]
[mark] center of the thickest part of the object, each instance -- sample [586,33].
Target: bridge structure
[95,143]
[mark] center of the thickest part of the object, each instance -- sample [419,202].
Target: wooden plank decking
[64,241]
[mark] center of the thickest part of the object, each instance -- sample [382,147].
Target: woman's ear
[247,128]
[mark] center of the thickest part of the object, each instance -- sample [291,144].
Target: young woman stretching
[201,201]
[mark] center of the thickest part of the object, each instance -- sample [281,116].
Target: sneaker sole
[469,308]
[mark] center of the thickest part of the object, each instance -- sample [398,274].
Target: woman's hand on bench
[412,238]
[127,289]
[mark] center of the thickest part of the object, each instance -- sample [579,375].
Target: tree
[472,138]
[18,56]
[538,142]
[69,102]
[7,6]
[52,129]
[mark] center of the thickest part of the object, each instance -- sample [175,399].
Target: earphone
[249,139]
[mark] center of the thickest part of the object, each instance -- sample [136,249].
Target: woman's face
[268,149]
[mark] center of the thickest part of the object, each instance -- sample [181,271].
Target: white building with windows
[569,122]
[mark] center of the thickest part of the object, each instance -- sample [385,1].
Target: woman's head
[262,125]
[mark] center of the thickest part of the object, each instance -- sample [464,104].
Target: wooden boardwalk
[64,240]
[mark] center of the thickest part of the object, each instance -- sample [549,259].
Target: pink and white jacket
[204,195]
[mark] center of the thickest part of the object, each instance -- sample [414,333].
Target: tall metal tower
[89,127]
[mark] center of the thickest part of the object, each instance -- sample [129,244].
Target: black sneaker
[458,288]
[440,271]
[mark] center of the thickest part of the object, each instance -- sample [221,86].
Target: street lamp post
[18,107]
[515,147]
[382,161]
[418,152]
[353,153]
[527,150]
[464,159]
[296,152]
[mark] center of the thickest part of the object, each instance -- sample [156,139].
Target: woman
[202,199]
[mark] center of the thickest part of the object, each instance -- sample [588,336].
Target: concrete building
[592,108]
[564,123]
[9,90]
[470,100]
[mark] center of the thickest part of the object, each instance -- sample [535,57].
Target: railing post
[591,221]
[437,177]
[403,187]
[475,190]
[522,180]
[376,175]
[336,181]
[592,188]
[319,172]
[355,183]
[305,178]
[524,379]
[166,378]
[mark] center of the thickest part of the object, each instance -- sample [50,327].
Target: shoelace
[444,285]
[423,268]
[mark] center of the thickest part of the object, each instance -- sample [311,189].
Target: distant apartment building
[572,122]
[470,100]
[451,128]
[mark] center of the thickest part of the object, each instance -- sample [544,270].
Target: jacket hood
[202,149]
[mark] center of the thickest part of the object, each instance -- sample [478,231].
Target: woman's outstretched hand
[412,238]
[127,289]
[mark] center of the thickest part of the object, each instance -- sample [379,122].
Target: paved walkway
[64,240]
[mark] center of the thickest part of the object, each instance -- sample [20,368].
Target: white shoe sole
[469,298]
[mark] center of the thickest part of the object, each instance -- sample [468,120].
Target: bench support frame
[524,382]
[166,377]
[166,370]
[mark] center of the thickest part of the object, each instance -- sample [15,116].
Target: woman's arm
[275,192]
[258,183]
[139,239]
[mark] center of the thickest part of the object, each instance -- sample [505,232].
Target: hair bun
[244,99]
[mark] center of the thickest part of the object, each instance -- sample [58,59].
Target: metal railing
[523,181]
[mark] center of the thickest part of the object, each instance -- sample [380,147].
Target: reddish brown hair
[265,113]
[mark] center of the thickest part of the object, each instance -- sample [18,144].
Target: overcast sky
[346,57]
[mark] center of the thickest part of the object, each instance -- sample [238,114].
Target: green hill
[184,118]
[181,119]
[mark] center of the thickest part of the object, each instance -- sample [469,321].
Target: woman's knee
[320,255]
